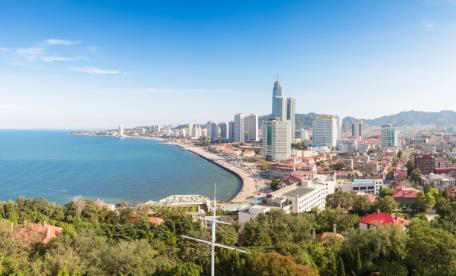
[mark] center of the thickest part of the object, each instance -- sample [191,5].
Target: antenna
[212,243]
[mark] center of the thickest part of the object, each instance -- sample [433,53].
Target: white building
[121,131]
[325,131]
[224,131]
[441,181]
[276,140]
[357,129]
[251,128]
[389,137]
[347,145]
[300,198]
[239,127]
[371,186]
[291,116]
[252,212]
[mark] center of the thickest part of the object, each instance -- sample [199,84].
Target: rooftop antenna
[212,243]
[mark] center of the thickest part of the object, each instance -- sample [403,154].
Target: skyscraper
[389,136]
[251,128]
[291,116]
[283,108]
[279,103]
[239,127]
[276,140]
[231,131]
[325,131]
[224,131]
[213,131]
[357,129]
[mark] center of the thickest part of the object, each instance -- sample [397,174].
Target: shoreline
[248,185]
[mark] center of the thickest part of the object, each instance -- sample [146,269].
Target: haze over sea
[58,166]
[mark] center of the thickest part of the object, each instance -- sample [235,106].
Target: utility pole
[212,243]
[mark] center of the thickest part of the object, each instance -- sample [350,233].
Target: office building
[325,131]
[231,131]
[213,131]
[239,127]
[389,136]
[291,116]
[224,131]
[276,140]
[357,129]
[251,128]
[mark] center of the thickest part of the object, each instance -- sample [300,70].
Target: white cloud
[2,49]
[57,58]
[95,71]
[428,25]
[92,49]
[30,54]
[57,41]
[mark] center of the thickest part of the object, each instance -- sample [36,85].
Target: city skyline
[136,63]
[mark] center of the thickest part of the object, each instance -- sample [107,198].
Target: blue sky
[98,64]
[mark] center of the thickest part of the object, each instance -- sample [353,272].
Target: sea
[58,166]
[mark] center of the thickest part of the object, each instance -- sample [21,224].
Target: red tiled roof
[384,218]
[406,193]
[37,233]
[155,220]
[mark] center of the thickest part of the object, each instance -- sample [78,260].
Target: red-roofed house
[381,219]
[156,220]
[405,196]
[37,233]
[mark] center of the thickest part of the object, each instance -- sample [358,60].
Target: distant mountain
[405,118]
[409,118]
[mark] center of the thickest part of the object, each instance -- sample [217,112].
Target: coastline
[248,187]
[248,184]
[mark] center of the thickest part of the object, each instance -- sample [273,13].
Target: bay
[58,166]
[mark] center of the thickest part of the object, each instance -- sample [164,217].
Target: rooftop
[384,218]
[298,192]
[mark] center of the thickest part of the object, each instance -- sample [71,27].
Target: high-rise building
[239,127]
[325,131]
[291,116]
[276,140]
[357,129]
[283,108]
[231,131]
[224,131]
[251,128]
[213,131]
[389,136]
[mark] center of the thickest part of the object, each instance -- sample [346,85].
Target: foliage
[415,176]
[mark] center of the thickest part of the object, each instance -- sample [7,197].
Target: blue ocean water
[58,166]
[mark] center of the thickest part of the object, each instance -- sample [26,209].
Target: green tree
[410,167]
[385,191]
[386,204]
[341,268]
[430,251]
[424,201]
[415,176]
[271,264]
[340,199]
[275,184]
[361,205]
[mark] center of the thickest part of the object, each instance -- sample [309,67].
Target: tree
[271,264]
[344,221]
[338,166]
[361,205]
[415,176]
[385,191]
[410,167]
[275,184]
[424,201]
[386,204]
[430,251]
[340,199]
[341,268]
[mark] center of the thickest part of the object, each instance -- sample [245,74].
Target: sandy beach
[248,182]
